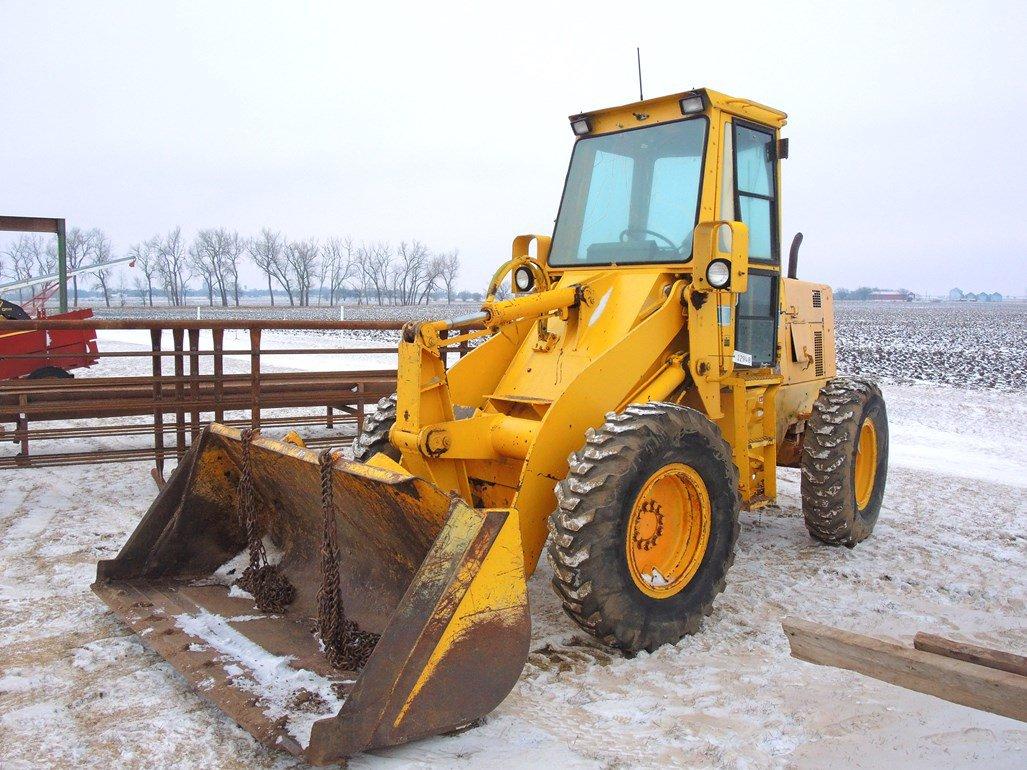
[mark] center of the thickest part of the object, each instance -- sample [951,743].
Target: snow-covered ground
[949,555]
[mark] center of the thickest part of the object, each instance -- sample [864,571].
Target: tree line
[301,272]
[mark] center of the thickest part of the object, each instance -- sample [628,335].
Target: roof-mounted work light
[693,103]
[581,126]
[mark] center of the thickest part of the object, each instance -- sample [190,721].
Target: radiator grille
[817,302]
[818,353]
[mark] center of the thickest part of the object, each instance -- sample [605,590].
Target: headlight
[718,274]
[524,279]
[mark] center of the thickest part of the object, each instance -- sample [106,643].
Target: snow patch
[232,569]
[238,593]
[270,677]
[95,655]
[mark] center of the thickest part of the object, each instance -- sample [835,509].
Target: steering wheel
[639,231]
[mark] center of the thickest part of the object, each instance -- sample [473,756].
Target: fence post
[62,266]
[194,383]
[177,336]
[255,377]
[158,415]
[219,374]
[22,426]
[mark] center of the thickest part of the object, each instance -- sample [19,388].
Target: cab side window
[755,188]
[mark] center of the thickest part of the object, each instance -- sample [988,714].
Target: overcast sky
[448,122]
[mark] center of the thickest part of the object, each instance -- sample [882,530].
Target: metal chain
[345,645]
[271,590]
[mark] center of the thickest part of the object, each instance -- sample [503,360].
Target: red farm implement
[47,353]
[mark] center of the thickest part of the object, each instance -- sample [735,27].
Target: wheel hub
[668,530]
[648,525]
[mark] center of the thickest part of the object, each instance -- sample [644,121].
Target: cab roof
[666,108]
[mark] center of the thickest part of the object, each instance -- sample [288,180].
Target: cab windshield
[631,197]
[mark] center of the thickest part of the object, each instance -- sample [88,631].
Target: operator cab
[644,175]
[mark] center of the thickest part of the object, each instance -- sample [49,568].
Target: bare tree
[145,256]
[203,263]
[302,259]
[78,249]
[338,265]
[233,248]
[268,253]
[414,275]
[374,264]
[21,255]
[101,250]
[449,269]
[173,266]
[139,282]
[432,277]
[214,255]
[44,255]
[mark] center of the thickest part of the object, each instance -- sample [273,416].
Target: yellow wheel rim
[668,531]
[866,463]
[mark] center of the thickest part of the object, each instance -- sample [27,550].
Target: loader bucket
[443,583]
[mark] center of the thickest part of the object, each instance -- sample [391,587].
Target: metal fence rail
[187,389]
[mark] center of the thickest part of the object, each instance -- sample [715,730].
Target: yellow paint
[866,463]
[668,531]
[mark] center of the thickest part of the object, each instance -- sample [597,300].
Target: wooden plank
[971,653]
[968,684]
[29,224]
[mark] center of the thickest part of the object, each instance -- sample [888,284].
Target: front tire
[845,462]
[374,438]
[646,525]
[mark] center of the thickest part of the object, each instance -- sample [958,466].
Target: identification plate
[742,359]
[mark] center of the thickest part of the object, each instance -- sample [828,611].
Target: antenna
[638,56]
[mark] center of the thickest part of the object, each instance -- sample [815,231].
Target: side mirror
[721,256]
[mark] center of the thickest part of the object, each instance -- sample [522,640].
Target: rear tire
[374,438]
[50,372]
[845,462]
[600,538]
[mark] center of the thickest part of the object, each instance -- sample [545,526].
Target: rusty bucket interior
[441,582]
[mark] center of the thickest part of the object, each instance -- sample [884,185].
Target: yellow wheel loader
[650,372]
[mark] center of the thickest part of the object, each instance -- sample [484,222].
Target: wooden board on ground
[958,681]
[971,653]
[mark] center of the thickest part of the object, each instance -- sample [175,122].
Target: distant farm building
[983,296]
[891,296]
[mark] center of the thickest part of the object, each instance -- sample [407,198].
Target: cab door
[749,195]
